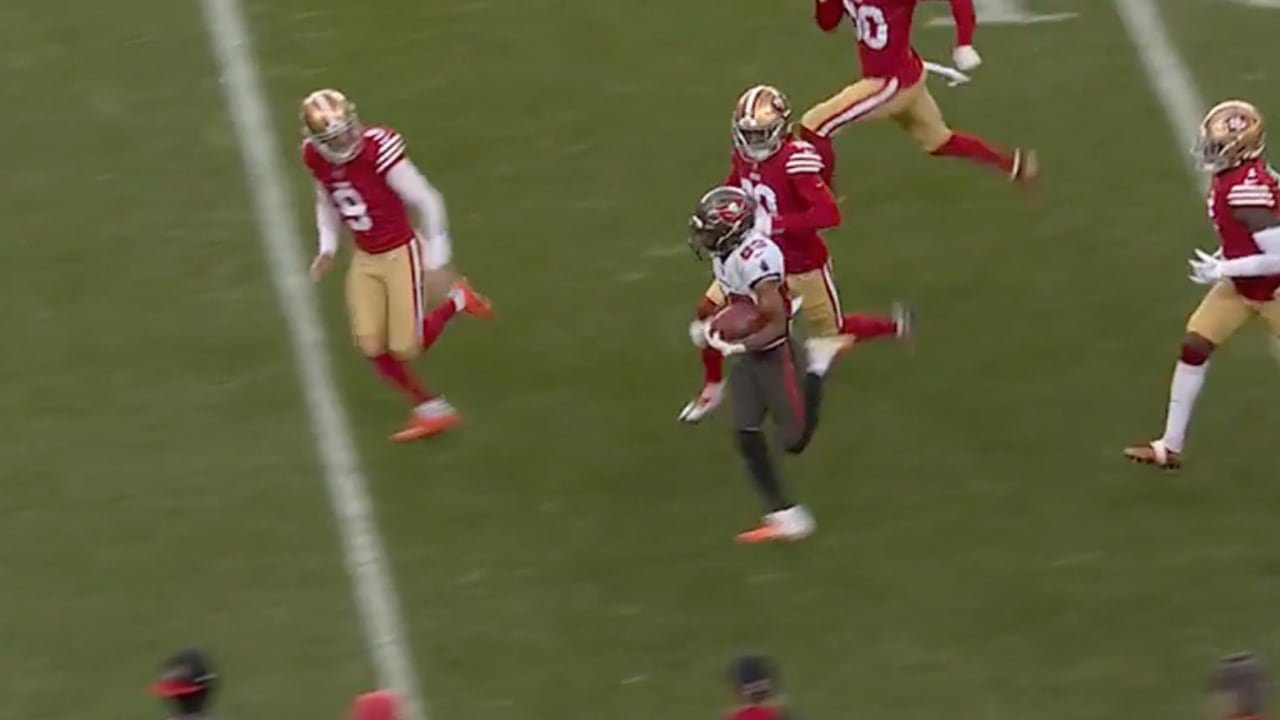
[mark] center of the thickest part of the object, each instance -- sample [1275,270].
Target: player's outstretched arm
[413,188]
[965,56]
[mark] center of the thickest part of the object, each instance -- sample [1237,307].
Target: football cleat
[1026,167]
[430,418]
[789,525]
[709,399]
[904,320]
[473,303]
[1154,453]
[822,351]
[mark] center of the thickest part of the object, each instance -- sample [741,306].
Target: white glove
[698,333]
[966,58]
[1206,269]
[725,347]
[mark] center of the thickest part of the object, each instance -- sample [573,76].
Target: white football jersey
[758,258]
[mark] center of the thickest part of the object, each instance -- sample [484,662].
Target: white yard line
[1168,75]
[365,559]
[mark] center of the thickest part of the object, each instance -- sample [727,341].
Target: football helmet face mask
[721,222]
[330,123]
[1232,133]
[761,121]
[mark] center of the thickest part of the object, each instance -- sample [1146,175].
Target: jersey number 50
[870,24]
[351,206]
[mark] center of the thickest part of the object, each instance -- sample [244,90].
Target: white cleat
[709,399]
[789,525]
[904,319]
[822,351]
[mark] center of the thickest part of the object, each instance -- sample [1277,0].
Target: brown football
[737,320]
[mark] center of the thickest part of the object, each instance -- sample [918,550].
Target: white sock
[459,300]
[1187,381]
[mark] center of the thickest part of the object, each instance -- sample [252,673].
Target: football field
[983,553]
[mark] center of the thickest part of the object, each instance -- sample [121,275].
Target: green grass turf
[983,553]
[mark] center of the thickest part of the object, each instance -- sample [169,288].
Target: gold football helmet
[761,121]
[330,122]
[1231,133]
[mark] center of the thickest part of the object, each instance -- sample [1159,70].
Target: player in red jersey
[794,204]
[1243,276]
[365,181]
[893,86]
[753,682]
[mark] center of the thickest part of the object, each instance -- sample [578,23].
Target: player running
[748,266]
[893,86]
[1244,274]
[365,181]
[784,177]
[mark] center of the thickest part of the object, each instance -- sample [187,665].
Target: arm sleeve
[823,212]
[827,13]
[328,224]
[1252,266]
[966,21]
[414,189]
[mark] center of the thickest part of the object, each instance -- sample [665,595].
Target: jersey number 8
[351,206]
[870,24]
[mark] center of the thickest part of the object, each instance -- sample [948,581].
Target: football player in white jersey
[763,381]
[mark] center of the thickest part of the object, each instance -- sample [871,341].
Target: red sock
[712,365]
[972,147]
[398,373]
[825,149]
[433,324]
[868,327]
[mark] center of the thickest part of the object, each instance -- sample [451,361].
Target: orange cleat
[473,303]
[1154,453]
[432,418]
[793,523]
[763,534]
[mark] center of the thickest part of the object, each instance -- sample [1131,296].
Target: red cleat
[473,303]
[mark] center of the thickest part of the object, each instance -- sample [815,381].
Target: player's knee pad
[1195,350]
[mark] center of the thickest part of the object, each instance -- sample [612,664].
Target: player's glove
[698,333]
[1205,269]
[723,346]
[966,58]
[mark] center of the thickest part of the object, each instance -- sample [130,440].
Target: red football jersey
[1247,186]
[359,191]
[883,30]
[774,183]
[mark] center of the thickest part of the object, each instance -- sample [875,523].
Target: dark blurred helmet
[187,680]
[753,678]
